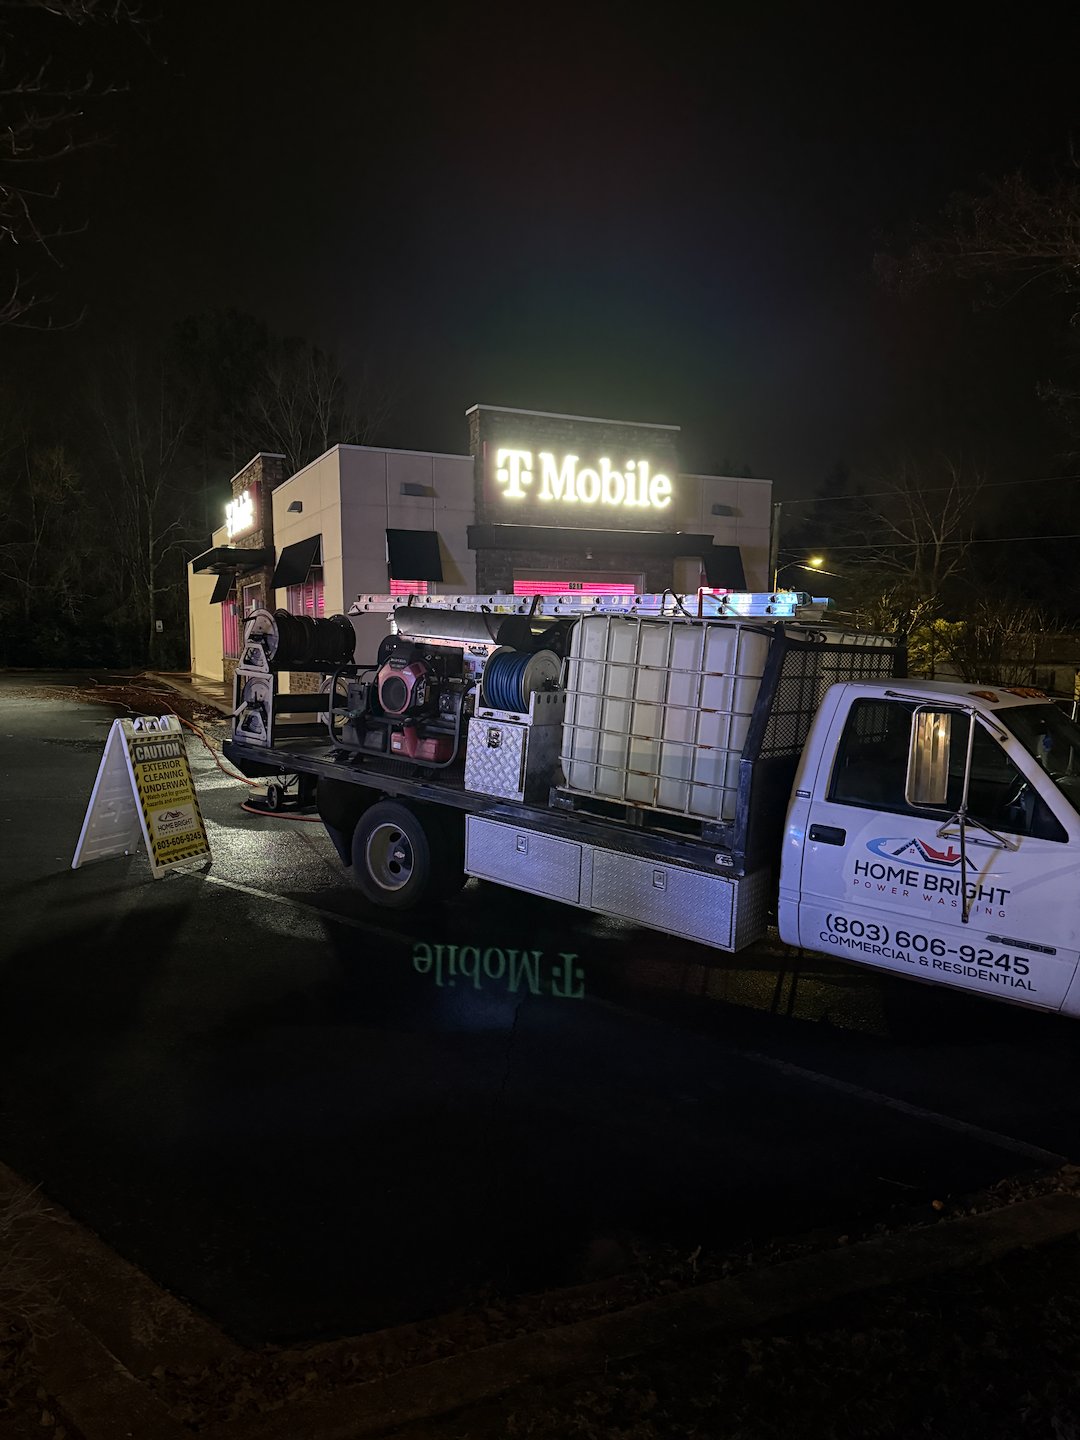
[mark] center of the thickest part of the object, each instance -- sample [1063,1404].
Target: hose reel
[301,642]
[510,677]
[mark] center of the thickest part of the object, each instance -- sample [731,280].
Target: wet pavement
[301,1115]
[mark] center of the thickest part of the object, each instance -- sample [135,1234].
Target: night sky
[637,213]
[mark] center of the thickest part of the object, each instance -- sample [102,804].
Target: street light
[813,563]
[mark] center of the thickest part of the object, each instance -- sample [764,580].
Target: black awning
[222,589]
[230,560]
[414,555]
[724,567]
[295,561]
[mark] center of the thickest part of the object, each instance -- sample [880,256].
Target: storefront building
[540,503]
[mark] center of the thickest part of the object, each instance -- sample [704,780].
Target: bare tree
[1017,233]
[144,420]
[921,526]
[43,122]
[904,539]
[301,404]
[259,391]
[1014,238]
[37,559]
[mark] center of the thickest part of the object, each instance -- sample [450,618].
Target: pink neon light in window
[568,587]
[408,587]
[307,599]
[230,627]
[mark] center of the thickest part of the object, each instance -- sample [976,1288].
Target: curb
[743,1302]
[113,1326]
[112,1301]
[191,692]
[95,1393]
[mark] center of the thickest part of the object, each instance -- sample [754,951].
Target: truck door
[881,883]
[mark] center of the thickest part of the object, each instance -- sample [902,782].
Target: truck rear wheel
[401,858]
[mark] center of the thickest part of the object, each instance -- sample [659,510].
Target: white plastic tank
[657,711]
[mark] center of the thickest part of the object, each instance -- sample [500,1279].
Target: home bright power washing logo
[917,852]
[910,868]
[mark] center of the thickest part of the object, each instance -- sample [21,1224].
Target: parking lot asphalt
[300,1115]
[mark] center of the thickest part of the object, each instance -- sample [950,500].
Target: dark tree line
[104,502]
[975,572]
[52,105]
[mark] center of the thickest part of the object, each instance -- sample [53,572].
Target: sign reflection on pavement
[512,970]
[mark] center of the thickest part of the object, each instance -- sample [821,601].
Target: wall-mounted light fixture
[297,506]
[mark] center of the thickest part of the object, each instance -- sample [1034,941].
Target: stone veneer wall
[260,475]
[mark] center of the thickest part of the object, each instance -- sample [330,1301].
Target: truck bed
[398,779]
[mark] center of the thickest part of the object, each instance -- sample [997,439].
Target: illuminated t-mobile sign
[240,514]
[562,480]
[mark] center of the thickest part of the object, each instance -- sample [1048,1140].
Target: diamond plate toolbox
[523,858]
[511,761]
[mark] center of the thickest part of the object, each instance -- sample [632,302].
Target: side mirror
[928,758]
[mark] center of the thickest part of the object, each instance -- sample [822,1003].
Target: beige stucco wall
[374,499]
[204,620]
[204,627]
[750,502]
[317,489]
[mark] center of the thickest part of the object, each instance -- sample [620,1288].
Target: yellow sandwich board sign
[144,791]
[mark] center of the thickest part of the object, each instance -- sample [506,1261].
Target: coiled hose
[504,677]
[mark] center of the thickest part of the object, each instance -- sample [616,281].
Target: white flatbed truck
[689,764]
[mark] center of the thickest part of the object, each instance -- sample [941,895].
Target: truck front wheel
[400,859]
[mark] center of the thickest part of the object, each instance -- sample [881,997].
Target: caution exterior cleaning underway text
[144,791]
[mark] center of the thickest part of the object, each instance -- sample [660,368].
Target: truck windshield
[1053,740]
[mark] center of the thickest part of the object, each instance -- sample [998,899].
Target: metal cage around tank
[658,711]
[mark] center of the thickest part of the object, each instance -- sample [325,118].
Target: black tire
[275,796]
[401,858]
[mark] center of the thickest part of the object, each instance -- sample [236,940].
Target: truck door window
[871,764]
[871,769]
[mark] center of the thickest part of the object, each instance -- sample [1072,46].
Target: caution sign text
[166,793]
[145,791]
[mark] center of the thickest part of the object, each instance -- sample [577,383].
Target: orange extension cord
[195,730]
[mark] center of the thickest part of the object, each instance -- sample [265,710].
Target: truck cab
[934,830]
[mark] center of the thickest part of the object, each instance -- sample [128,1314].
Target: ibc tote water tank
[657,711]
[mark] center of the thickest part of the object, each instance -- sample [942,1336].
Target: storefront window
[607,586]
[230,627]
[308,599]
[253,598]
